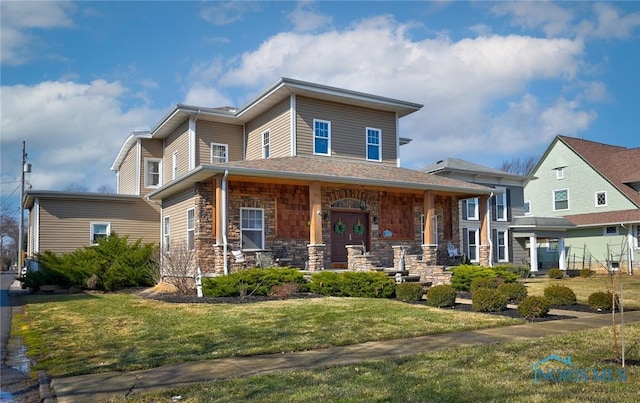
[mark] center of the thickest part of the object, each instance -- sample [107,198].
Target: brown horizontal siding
[176,209]
[65,225]
[221,133]
[178,141]
[278,122]
[128,172]
[348,128]
[149,148]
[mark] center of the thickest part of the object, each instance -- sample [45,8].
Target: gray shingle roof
[454,164]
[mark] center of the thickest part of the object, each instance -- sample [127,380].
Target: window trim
[92,232]
[606,198]
[166,235]
[146,172]
[502,196]
[476,245]
[605,233]
[191,230]
[559,172]
[242,229]
[476,214]
[226,152]
[266,144]
[505,246]
[553,194]
[526,202]
[367,144]
[316,137]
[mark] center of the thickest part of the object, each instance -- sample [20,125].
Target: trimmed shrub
[463,275]
[601,300]
[252,282]
[409,292]
[533,307]
[441,296]
[585,273]
[353,284]
[481,282]
[560,295]
[514,292]
[488,300]
[555,273]
[114,263]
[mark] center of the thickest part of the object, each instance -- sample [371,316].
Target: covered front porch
[535,233]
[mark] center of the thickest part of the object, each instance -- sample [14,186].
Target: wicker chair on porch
[455,258]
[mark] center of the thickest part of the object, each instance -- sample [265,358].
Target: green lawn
[502,372]
[87,333]
[583,287]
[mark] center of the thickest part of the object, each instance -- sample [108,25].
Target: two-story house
[596,188]
[506,202]
[302,171]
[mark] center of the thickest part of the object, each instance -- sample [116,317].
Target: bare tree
[178,267]
[8,237]
[106,189]
[76,188]
[519,166]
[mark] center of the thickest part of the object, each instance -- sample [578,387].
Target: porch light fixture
[325,217]
[375,219]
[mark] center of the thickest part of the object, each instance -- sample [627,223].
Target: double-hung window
[152,178]
[502,246]
[166,234]
[470,207]
[374,144]
[265,144]
[321,137]
[561,199]
[473,243]
[219,153]
[191,229]
[501,206]
[252,228]
[99,230]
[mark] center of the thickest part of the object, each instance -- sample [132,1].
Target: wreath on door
[358,228]
[339,227]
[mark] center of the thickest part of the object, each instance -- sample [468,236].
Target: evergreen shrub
[514,292]
[533,307]
[488,300]
[441,296]
[560,295]
[409,292]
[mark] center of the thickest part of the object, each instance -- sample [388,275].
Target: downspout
[489,230]
[223,202]
[630,248]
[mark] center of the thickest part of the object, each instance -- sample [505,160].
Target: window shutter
[510,240]
[494,208]
[508,207]
[494,242]
[464,209]
[465,242]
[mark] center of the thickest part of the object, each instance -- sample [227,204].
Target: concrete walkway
[101,387]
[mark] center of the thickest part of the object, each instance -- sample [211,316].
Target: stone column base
[485,251]
[430,254]
[316,257]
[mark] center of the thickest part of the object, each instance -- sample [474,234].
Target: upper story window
[265,144]
[601,199]
[374,145]
[501,206]
[191,229]
[610,230]
[559,173]
[99,230]
[470,209]
[527,207]
[561,199]
[219,153]
[152,171]
[321,137]
[174,168]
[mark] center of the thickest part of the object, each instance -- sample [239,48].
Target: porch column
[485,248]
[429,249]
[533,253]
[562,259]
[217,209]
[630,250]
[315,213]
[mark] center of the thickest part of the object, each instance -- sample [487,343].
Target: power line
[7,198]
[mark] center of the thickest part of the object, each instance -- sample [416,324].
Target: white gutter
[629,247]
[489,230]
[225,244]
[292,112]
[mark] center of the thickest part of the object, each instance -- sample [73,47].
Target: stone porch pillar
[430,247]
[316,257]
[485,245]
[430,254]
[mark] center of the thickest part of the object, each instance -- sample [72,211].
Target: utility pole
[24,167]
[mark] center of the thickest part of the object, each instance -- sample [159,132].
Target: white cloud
[552,19]
[225,13]
[305,19]
[609,23]
[207,96]
[73,131]
[20,18]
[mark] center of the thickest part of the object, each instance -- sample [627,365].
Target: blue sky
[497,80]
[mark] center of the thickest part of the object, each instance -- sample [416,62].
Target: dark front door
[347,228]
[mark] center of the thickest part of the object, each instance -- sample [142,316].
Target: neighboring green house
[506,202]
[595,187]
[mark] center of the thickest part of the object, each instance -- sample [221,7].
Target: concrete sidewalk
[101,387]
